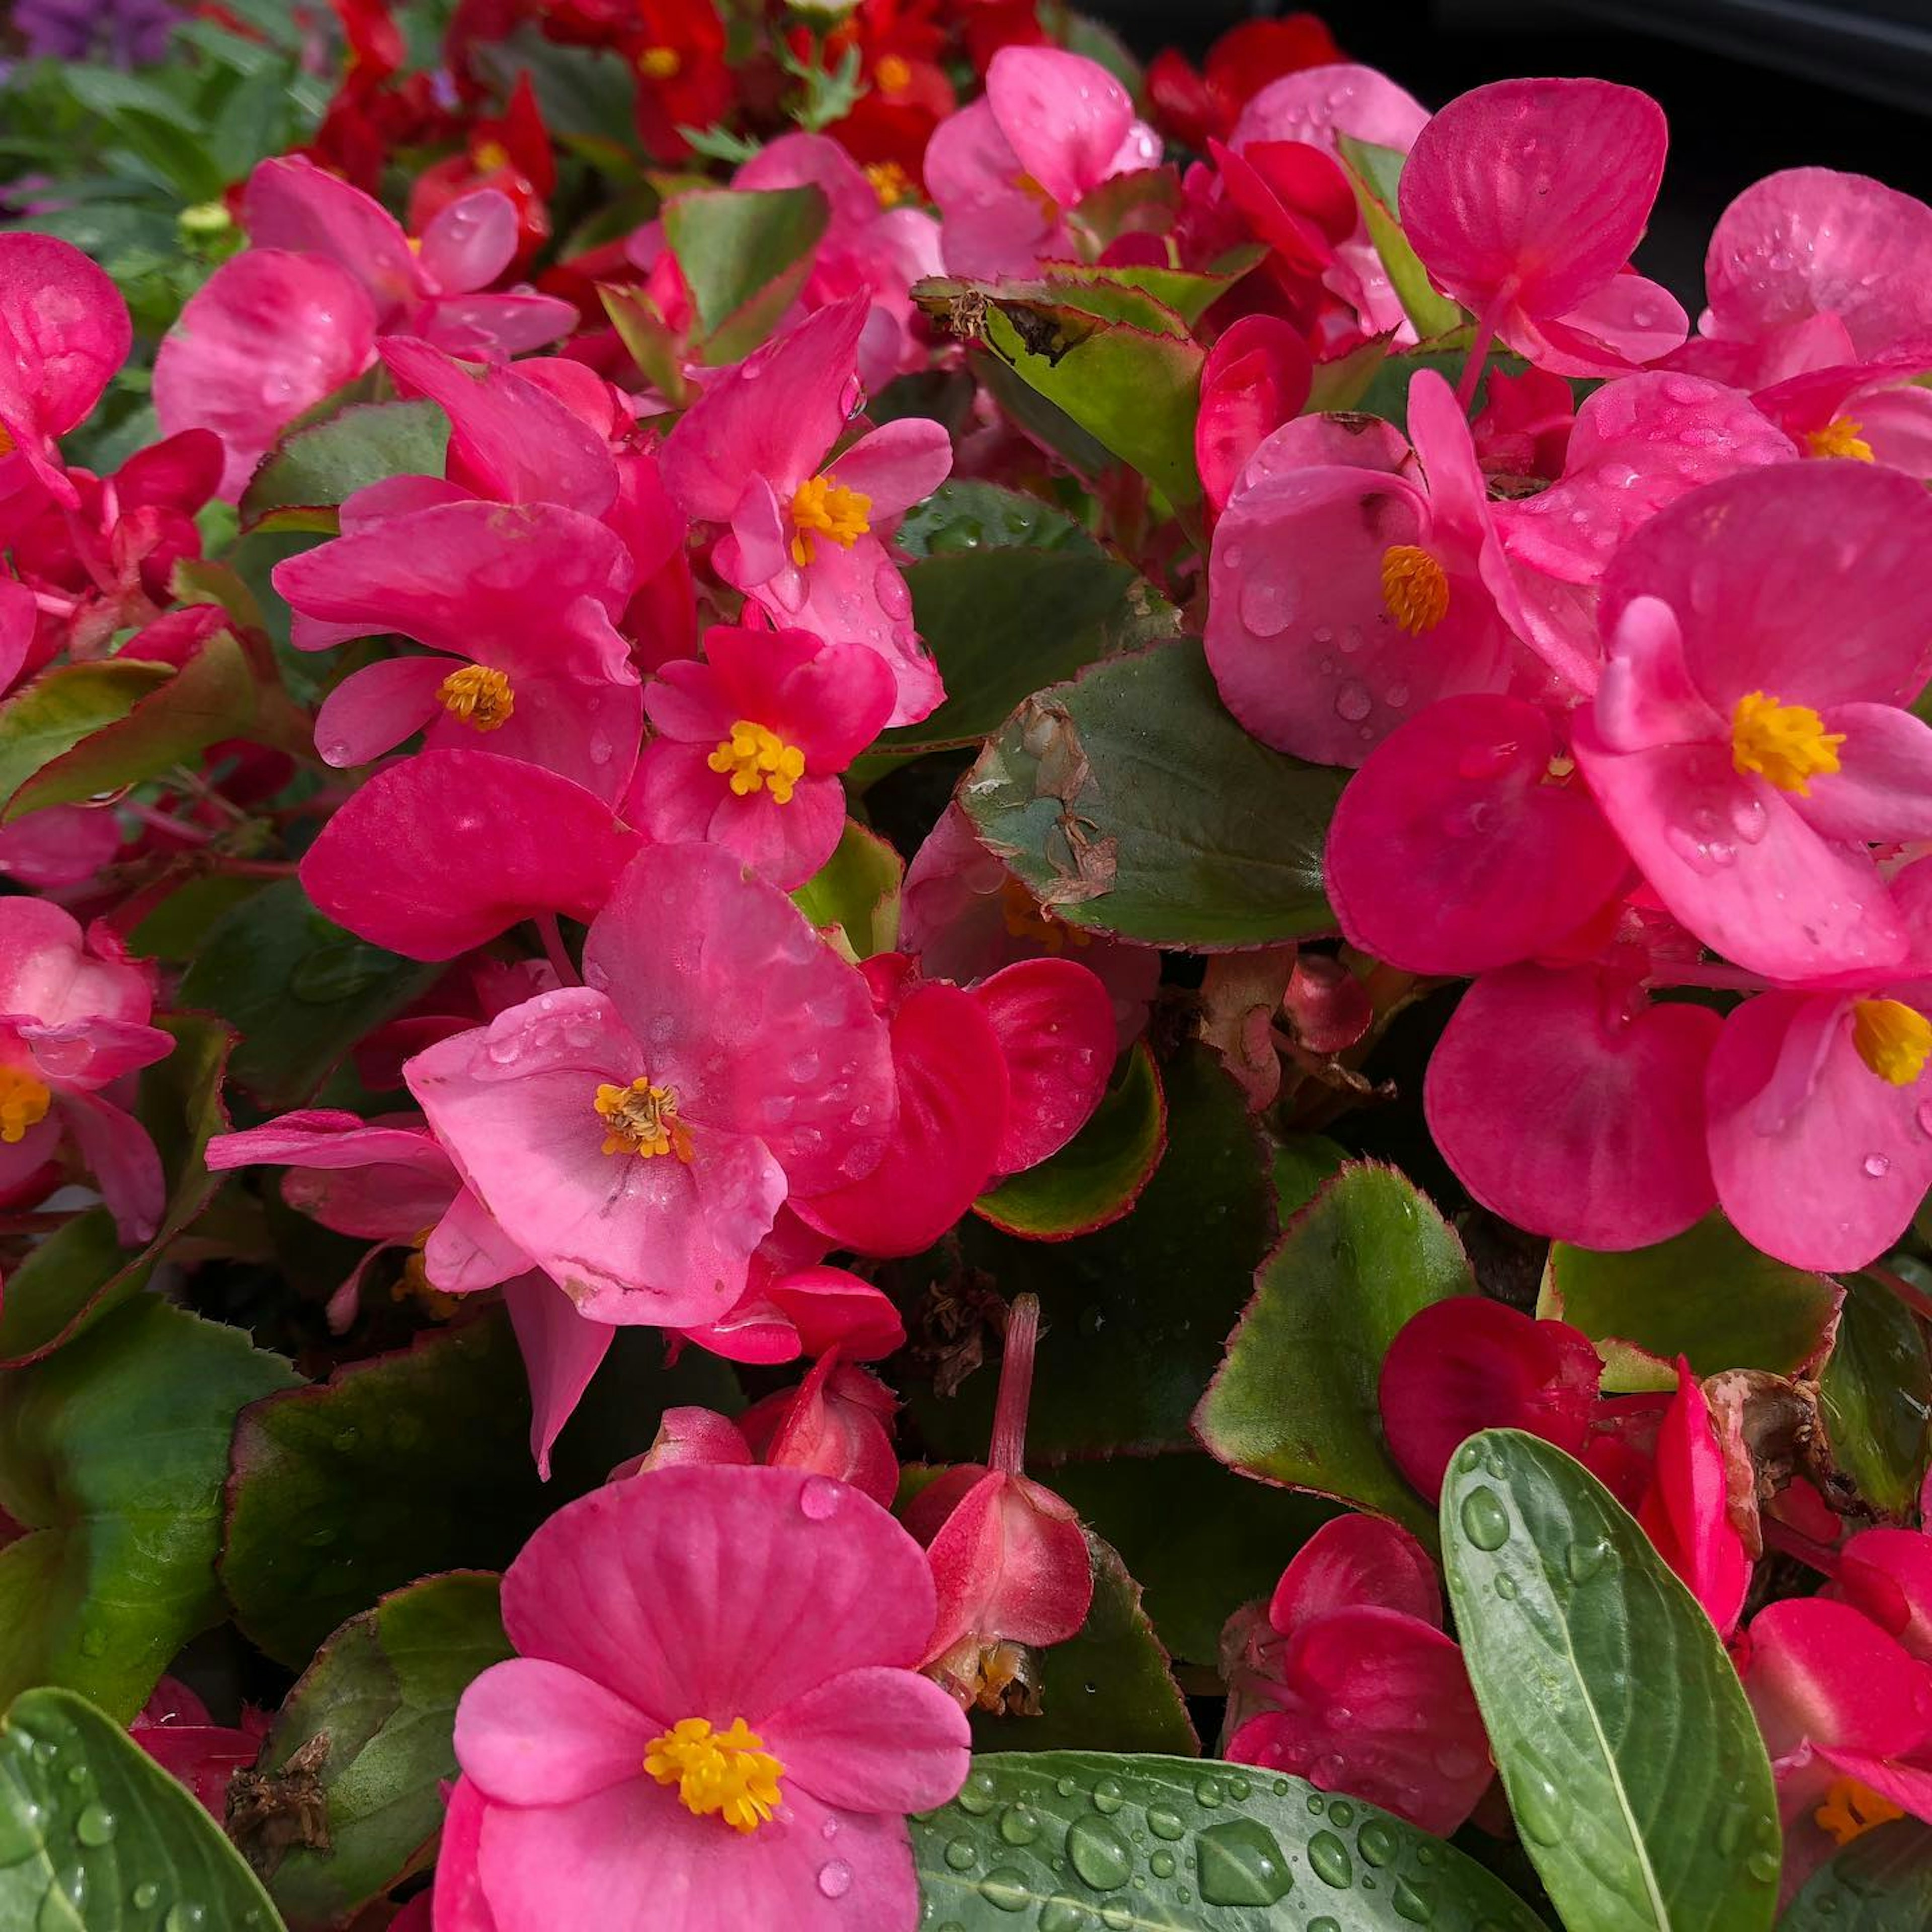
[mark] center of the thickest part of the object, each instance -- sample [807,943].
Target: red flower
[513,155]
[1196,106]
[677,50]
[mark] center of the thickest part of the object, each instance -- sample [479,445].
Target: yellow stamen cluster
[756,759]
[1415,587]
[892,75]
[1786,743]
[1049,208]
[1893,1040]
[1850,1810]
[890,182]
[1026,920]
[642,1120]
[480,697]
[728,1773]
[822,508]
[24,1102]
[660,63]
[489,156]
[1841,437]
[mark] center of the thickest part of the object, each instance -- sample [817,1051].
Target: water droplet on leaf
[1098,1855]
[1485,1521]
[1240,1863]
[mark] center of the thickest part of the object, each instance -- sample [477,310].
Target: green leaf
[113,1456]
[967,515]
[1375,173]
[1879,1882]
[299,990]
[1707,1294]
[857,890]
[1003,622]
[1098,1176]
[1189,293]
[81,1271]
[1134,1314]
[96,1836]
[1075,1839]
[1646,1806]
[1045,422]
[311,472]
[744,253]
[1295,1401]
[1876,1393]
[51,716]
[383,1692]
[1128,801]
[1303,1165]
[211,698]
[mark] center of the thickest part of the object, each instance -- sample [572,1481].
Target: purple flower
[130,33]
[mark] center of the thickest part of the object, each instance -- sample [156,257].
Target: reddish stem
[555,951]
[1915,1299]
[1781,1536]
[1008,1450]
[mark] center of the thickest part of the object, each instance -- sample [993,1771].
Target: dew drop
[1323,1924]
[1161,1864]
[1062,1914]
[1107,1796]
[1731,1829]
[77,1775]
[1098,1855]
[1412,1904]
[1065,1786]
[1878,1166]
[145,1896]
[1468,1457]
[1506,1588]
[1019,1825]
[976,1796]
[1267,604]
[1377,1843]
[1329,1857]
[1166,1824]
[1006,1890]
[835,1878]
[1238,1789]
[1584,1558]
[817,1500]
[1485,1521]
[1208,1792]
[1763,1866]
[1539,1802]
[1240,1863]
[1353,701]
[95,1826]
[961,1854]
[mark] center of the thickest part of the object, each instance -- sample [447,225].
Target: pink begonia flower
[867,249]
[73,1024]
[1570,1105]
[636,1135]
[174,1728]
[1256,377]
[1523,427]
[991,1081]
[1011,1562]
[1887,1573]
[64,845]
[523,595]
[1524,199]
[1686,1513]
[805,527]
[1343,599]
[1007,170]
[838,1422]
[1455,850]
[1470,1363]
[1743,766]
[1364,1692]
[1847,1715]
[63,335]
[296,315]
[750,744]
[1313,107]
[963,916]
[713,1714]
[443,852]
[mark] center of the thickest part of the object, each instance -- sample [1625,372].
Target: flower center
[1895,1040]
[489,156]
[893,75]
[24,1102]
[728,1772]
[890,182]
[829,509]
[1841,437]
[7,445]
[1415,587]
[480,697]
[1850,1810]
[758,760]
[1026,920]
[660,63]
[1786,743]
[642,1120]
[1041,199]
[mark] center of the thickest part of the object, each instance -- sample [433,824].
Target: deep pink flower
[1366,1694]
[713,1712]
[1007,169]
[1256,377]
[1743,766]
[838,1422]
[750,744]
[174,1728]
[636,1135]
[1524,200]
[73,1024]
[1686,1512]
[64,334]
[755,452]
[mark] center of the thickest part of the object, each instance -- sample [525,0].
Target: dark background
[1750,85]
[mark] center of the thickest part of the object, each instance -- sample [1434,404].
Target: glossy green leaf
[1131,802]
[112,1455]
[299,990]
[1294,1402]
[1111,1685]
[1375,173]
[313,471]
[1187,293]
[1303,1165]
[1876,1392]
[744,253]
[1098,1176]
[1044,422]
[1879,1882]
[211,698]
[1631,1760]
[1133,1315]
[1070,1841]
[383,1691]
[857,890]
[1003,622]
[1708,1295]
[967,515]
[44,719]
[95,1837]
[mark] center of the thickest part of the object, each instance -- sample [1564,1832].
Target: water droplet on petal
[1353,701]
[1878,1166]
[819,1499]
[835,1878]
